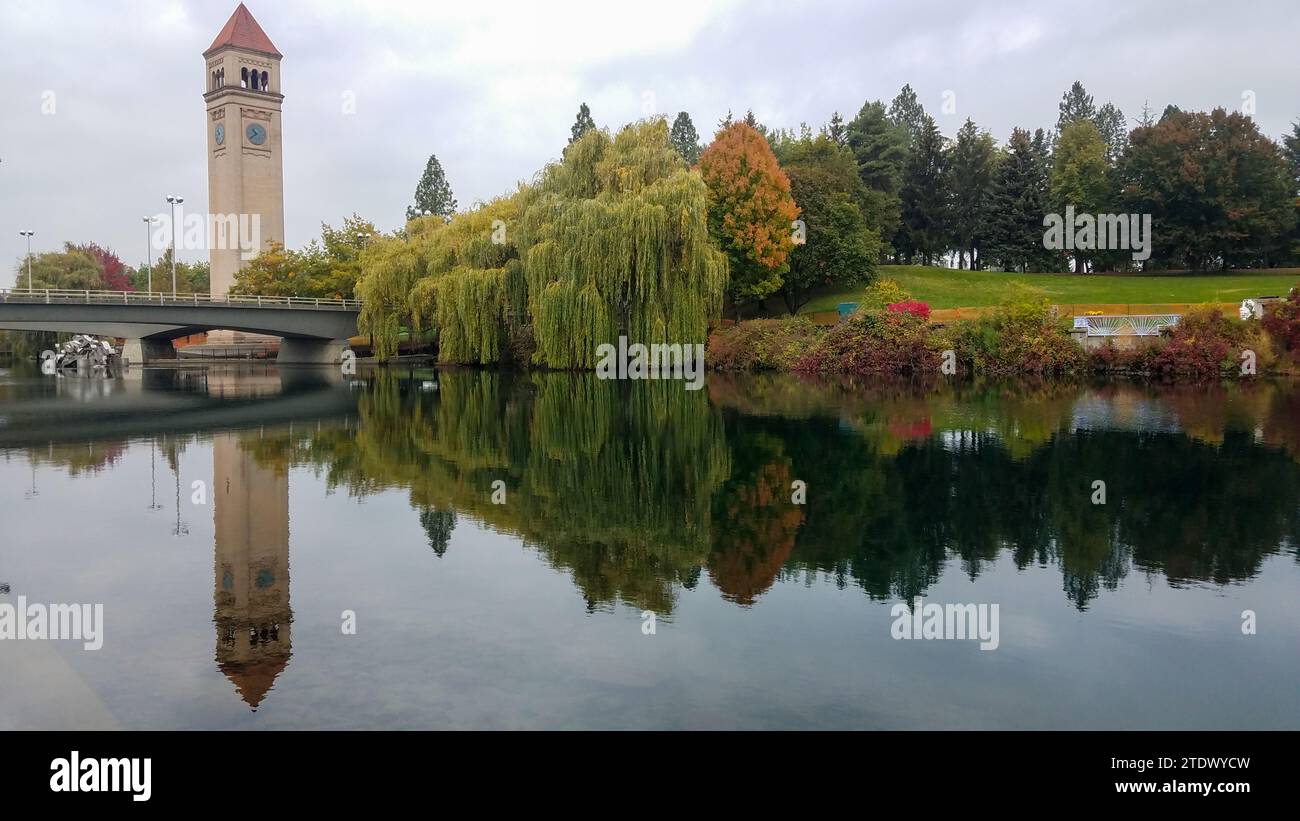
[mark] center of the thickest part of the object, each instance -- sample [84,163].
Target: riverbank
[894,334]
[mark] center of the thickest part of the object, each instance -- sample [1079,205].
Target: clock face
[220,134]
[256,133]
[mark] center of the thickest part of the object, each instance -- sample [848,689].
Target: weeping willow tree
[443,276]
[612,240]
[390,268]
[616,242]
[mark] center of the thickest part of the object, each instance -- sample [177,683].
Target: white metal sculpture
[1127,324]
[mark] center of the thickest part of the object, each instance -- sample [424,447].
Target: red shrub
[911,306]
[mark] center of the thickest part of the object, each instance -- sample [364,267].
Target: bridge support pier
[140,351]
[311,351]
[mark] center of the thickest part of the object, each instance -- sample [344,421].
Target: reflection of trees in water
[438,525]
[610,481]
[1174,506]
[755,523]
[634,488]
[79,457]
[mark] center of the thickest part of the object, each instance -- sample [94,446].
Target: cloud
[493,87]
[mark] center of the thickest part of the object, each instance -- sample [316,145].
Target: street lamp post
[28,234]
[175,201]
[148,247]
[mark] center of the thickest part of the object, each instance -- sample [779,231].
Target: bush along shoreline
[891,335]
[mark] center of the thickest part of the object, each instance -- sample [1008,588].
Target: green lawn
[948,288]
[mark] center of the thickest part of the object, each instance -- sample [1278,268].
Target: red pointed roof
[242,31]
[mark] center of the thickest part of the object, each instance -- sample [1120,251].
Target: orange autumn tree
[751,210]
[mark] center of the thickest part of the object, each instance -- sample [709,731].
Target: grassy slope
[948,288]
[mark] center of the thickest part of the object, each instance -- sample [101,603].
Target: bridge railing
[50,296]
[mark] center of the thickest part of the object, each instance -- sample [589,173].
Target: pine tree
[908,112]
[685,138]
[880,149]
[1147,119]
[725,121]
[972,164]
[836,129]
[1291,144]
[1076,104]
[432,193]
[1113,128]
[1018,204]
[1042,145]
[926,215]
[582,124]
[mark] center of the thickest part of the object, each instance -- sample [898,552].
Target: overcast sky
[492,87]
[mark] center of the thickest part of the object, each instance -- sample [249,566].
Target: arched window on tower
[265,85]
[243,78]
[221,77]
[254,84]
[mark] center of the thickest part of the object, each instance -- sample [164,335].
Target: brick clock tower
[245,160]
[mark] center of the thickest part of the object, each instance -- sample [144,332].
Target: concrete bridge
[313,331]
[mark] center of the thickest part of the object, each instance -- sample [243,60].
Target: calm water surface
[227,518]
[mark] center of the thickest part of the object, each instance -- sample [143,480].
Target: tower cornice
[253,96]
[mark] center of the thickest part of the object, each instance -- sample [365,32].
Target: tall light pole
[175,201]
[148,247]
[28,234]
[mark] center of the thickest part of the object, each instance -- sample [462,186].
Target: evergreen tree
[1147,119]
[1042,144]
[880,150]
[908,112]
[971,162]
[1291,145]
[725,121]
[685,138]
[1019,203]
[1076,104]
[582,124]
[438,525]
[1113,129]
[432,194]
[925,218]
[836,129]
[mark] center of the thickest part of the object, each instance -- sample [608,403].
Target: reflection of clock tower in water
[245,162]
[251,565]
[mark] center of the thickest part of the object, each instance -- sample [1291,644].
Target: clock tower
[245,162]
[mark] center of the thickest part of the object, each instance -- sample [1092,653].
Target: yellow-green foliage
[469,303]
[402,280]
[389,269]
[618,243]
[611,240]
[882,293]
